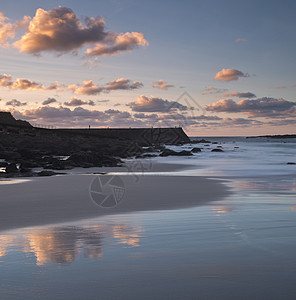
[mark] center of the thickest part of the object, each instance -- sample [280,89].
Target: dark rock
[25,171]
[46,173]
[149,149]
[27,153]
[10,155]
[215,143]
[291,163]
[195,150]
[91,159]
[3,164]
[29,164]
[146,155]
[56,165]
[12,168]
[200,141]
[168,152]
[159,147]
[236,147]
[184,153]
[217,150]
[219,146]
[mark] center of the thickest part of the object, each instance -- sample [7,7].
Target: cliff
[6,119]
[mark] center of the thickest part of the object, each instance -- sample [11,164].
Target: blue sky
[189,43]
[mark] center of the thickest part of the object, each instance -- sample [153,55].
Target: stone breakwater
[24,147]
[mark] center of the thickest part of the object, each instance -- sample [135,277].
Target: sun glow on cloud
[60,30]
[52,33]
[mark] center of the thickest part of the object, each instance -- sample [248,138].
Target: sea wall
[142,135]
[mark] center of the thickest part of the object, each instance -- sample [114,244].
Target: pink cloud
[239,94]
[241,40]
[87,87]
[229,75]
[154,104]
[8,29]
[60,30]
[78,102]
[25,84]
[212,90]
[262,107]
[117,43]
[123,84]
[161,84]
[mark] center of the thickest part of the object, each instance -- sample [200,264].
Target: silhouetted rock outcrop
[168,152]
[217,150]
[6,118]
[11,168]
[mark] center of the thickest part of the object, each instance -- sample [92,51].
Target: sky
[216,68]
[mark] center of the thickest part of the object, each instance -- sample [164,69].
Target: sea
[242,246]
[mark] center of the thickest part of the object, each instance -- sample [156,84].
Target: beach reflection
[61,245]
[272,185]
[219,210]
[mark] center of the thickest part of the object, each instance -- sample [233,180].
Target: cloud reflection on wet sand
[61,245]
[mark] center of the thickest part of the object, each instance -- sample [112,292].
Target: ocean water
[240,247]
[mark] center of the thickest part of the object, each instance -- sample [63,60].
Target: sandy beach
[209,226]
[56,199]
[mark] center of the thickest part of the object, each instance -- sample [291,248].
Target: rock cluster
[54,152]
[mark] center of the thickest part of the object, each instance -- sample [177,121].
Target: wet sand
[56,199]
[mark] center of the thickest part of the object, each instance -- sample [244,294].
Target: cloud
[281,122]
[49,101]
[8,29]
[262,107]
[146,116]
[87,87]
[78,117]
[15,103]
[78,102]
[123,84]
[52,113]
[207,118]
[160,84]
[229,75]
[154,104]
[60,30]
[6,80]
[25,84]
[117,43]
[239,95]
[241,40]
[212,90]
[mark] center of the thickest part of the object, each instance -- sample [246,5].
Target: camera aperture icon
[107,191]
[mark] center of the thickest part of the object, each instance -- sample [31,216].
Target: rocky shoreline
[54,153]
[25,149]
